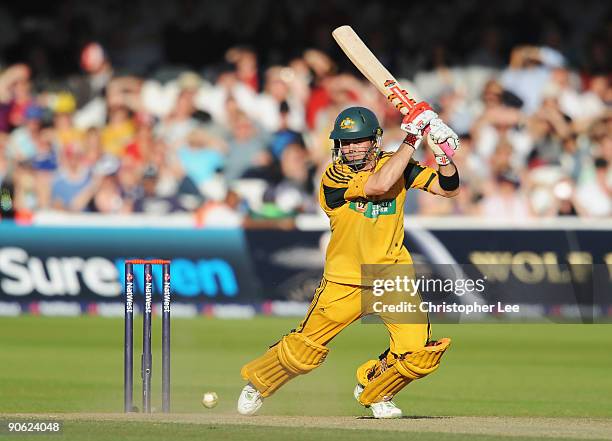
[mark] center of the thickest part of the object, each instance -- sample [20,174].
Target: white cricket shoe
[385,409]
[382,409]
[250,400]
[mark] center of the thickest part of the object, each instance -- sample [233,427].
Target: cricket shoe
[250,400]
[385,409]
[382,409]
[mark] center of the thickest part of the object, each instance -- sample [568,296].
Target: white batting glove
[439,133]
[421,121]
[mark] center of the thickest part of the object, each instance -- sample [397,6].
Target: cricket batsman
[363,193]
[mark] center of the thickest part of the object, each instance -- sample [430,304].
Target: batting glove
[439,133]
[419,117]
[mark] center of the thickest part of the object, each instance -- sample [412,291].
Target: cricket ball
[210,399]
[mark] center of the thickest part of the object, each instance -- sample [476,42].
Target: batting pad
[293,355]
[389,381]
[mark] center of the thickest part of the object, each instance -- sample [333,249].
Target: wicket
[146,358]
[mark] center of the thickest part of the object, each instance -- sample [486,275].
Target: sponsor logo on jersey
[361,206]
[373,209]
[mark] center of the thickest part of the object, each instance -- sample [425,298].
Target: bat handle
[443,145]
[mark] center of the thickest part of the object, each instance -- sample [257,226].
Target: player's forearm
[448,180]
[447,170]
[381,181]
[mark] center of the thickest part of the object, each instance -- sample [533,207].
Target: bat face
[371,68]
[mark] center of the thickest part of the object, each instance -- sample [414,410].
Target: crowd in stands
[247,144]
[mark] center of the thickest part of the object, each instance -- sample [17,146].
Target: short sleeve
[419,176]
[338,187]
[356,187]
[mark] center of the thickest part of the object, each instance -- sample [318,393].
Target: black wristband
[449,183]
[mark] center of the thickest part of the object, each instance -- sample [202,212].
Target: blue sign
[46,263]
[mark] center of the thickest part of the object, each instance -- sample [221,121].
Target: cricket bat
[377,74]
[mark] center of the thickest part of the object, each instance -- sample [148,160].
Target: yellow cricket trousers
[335,306]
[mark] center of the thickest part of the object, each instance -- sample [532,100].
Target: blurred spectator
[474,175]
[15,96]
[97,66]
[129,178]
[180,122]
[502,123]
[567,201]
[576,105]
[90,90]
[529,70]
[222,213]
[242,136]
[64,106]
[492,95]
[595,194]
[92,146]
[73,177]
[151,202]
[202,156]
[44,165]
[323,69]
[278,109]
[502,201]
[119,131]
[107,197]
[22,142]
[245,61]
[246,147]
[141,145]
[288,194]
[549,129]
[171,179]
[24,190]
[500,162]
[454,109]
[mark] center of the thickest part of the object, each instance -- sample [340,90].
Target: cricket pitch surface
[520,427]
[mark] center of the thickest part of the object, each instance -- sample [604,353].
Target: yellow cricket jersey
[366,230]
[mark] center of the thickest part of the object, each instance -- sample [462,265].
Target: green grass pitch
[75,365]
